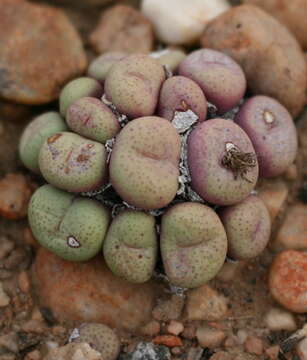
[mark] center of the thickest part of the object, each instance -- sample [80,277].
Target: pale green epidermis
[34,135]
[130,248]
[73,228]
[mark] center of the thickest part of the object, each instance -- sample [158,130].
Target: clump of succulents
[152,147]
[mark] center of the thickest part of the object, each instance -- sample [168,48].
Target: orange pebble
[288,280]
[168,340]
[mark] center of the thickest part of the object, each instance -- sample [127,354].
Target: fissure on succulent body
[147,149]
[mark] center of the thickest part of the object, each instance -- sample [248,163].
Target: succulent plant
[133,85]
[193,244]
[101,338]
[144,163]
[72,227]
[170,57]
[100,66]
[76,89]
[179,93]
[92,119]
[73,163]
[222,162]
[34,135]
[272,131]
[220,77]
[248,227]
[130,248]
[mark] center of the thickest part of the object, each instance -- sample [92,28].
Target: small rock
[288,280]
[231,341]
[278,319]
[27,30]
[242,336]
[167,340]
[189,332]
[254,345]
[221,355]
[4,298]
[169,309]
[9,342]
[24,282]
[205,303]
[293,232]
[176,350]
[33,355]
[6,246]
[209,338]
[291,173]
[179,22]
[8,357]
[34,326]
[89,292]
[151,329]
[175,327]
[29,238]
[73,351]
[15,194]
[18,258]
[230,270]
[148,351]
[123,28]
[195,353]
[274,193]
[272,352]
[301,349]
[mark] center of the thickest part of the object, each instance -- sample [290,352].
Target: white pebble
[180,21]
[278,319]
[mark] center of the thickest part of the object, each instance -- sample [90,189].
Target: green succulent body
[193,244]
[34,135]
[77,89]
[130,248]
[71,227]
[73,163]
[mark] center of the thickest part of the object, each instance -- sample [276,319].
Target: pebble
[181,22]
[34,326]
[74,351]
[15,193]
[6,246]
[209,337]
[167,340]
[148,351]
[189,331]
[123,28]
[195,353]
[291,173]
[221,355]
[230,270]
[151,329]
[278,320]
[33,355]
[301,349]
[274,193]
[169,309]
[175,327]
[24,282]
[89,292]
[293,232]
[27,31]
[4,298]
[288,280]
[205,303]
[9,342]
[254,345]
[272,352]
[242,336]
